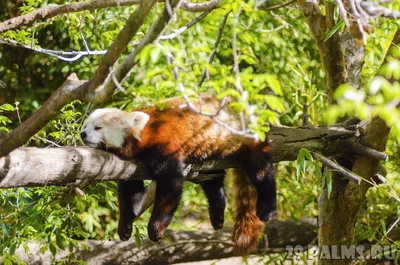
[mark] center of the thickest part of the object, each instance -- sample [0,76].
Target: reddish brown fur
[186,133]
[183,134]
[248,227]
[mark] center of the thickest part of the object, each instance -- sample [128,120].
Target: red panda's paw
[217,217]
[156,230]
[266,214]
[124,230]
[266,209]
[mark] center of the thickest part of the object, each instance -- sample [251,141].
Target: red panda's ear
[136,121]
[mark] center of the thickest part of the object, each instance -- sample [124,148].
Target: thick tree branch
[61,166]
[74,89]
[179,246]
[53,11]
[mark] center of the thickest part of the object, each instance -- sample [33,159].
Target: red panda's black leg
[130,198]
[266,195]
[169,177]
[258,167]
[215,193]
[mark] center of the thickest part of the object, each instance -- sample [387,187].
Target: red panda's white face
[111,126]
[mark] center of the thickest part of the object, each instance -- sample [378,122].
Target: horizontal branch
[53,11]
[178,246]
[62,55]
[61,166]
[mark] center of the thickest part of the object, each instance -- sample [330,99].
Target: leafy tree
[303,64]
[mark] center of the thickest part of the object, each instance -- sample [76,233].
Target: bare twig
[116,82]
[62,55]
[264,7]
[342,12]
[199,7]
[367,151]
[83,35]
[305,114]
[129,62]
[214,52]
[379,11]
[339,169]
[187,26]
[236,71]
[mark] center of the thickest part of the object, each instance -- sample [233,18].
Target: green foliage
[280,72]
[4,120]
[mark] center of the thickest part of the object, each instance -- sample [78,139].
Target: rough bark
[61,166]
[330,49]
[179,246]
[342,57]
[338,213]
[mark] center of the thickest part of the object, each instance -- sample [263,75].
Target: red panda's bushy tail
[248,227]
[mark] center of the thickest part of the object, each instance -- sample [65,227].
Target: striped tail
[248,228]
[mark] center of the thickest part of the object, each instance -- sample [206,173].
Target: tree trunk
[342,56]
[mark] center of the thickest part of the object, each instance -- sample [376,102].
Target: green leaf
[7,107]
[5,229]
[53,249]
[329,182]
[138,239]
[7,261]
[339,26]
[60,241]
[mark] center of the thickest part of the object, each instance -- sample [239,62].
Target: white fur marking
[114,125]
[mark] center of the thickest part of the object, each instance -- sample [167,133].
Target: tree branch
[120,43]
[155,30]
[62,55]
[178,246]
[53,11]
[61,166]
[339,169]
[74,89]
[265,7]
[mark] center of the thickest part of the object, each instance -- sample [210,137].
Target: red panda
[168,137]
